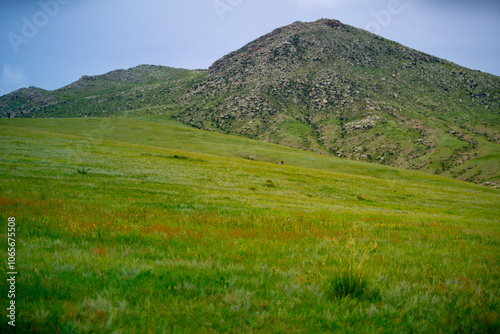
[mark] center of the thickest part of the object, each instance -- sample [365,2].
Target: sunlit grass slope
[167,133]
[143,227]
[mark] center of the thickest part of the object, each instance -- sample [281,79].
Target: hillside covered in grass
[109,94]
[127,225]
[322,86]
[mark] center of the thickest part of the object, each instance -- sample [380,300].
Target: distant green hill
[101,95]
[322,86]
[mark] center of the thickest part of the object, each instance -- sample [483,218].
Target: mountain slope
[322,86]
[102,95]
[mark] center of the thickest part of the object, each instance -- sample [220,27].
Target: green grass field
[130,226]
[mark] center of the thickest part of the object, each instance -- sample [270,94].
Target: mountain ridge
[100,95]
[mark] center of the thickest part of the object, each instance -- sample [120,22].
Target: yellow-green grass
[142,227]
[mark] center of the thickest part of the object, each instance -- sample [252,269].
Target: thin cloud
[319,3]
[12,78]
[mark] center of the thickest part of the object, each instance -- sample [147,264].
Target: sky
[51,43]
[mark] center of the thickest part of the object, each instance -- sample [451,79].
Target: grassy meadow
[130,226]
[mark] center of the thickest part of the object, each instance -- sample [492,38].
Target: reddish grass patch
[238,233]
[162,229]
[98,251]
[173,232]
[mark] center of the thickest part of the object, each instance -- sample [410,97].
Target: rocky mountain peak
[336,89]
[281,40]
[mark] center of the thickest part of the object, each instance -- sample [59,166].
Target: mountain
[332,88]
[322,86]
[98,95]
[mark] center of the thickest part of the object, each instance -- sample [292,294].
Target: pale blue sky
[51,43]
